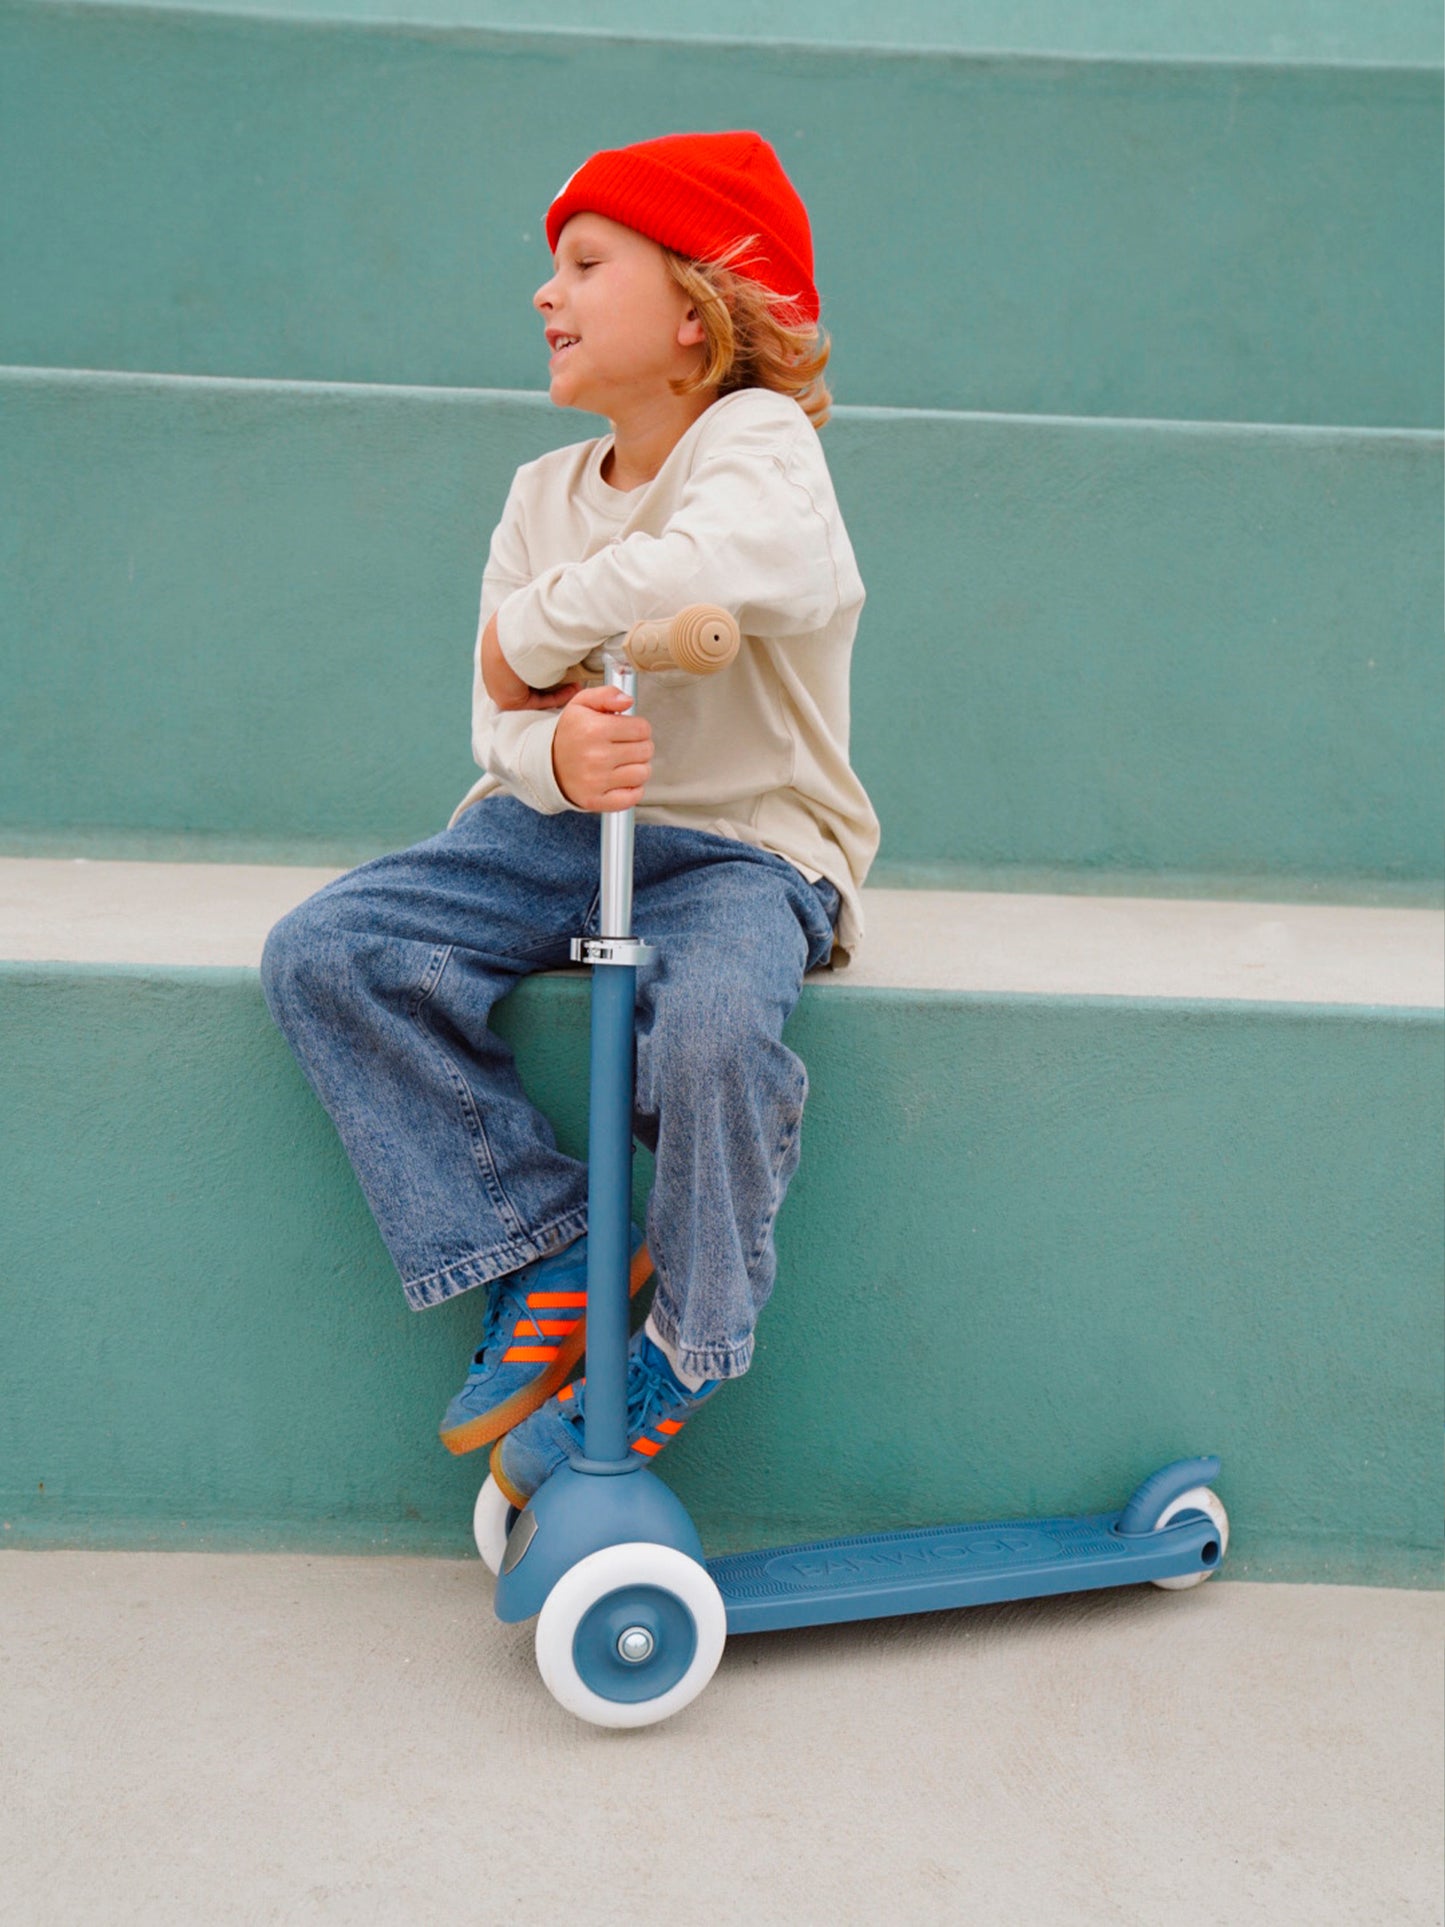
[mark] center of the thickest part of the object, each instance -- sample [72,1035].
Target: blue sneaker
[657,1409]
[535,1331]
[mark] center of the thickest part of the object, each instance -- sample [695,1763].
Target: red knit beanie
[696,194]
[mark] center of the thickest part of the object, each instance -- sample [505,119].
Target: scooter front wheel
[1199,1499]
[492,1519]
[630,1634]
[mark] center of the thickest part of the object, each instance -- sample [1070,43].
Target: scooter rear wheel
[630,1634]
[1199,1498]
[492,1518]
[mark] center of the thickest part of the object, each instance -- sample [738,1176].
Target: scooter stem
[614,956]
[702,640]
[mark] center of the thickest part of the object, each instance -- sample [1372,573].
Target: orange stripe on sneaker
[669,1425]
[529,1354]
[566,1391]
[553,1327]
[649,1448]
[557,1300]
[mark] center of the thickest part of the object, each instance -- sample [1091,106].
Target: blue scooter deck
[929,1568]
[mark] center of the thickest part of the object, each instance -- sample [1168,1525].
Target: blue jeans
[382,984]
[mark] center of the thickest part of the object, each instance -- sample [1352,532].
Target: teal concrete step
[1086,1185]
[322,199]
[246,611]
[1407,33]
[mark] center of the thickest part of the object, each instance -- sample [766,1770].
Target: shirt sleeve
[513,745]
[746,534]
[516,746]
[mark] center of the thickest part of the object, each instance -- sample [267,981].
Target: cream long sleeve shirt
[742,513]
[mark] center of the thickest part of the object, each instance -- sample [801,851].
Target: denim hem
[714,1362]
[483,1267]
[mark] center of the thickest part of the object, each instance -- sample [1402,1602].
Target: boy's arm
[515,746]
[747,534]
[505,686]
[507,569]
[595,757]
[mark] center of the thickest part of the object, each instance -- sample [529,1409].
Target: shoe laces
[508,1302]
[652,1394]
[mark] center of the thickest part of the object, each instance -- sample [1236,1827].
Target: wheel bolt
[635,1645]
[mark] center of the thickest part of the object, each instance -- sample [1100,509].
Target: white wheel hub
[625,1616]
[489,1524]
[1198,1499]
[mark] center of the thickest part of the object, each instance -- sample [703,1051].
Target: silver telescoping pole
[616,901]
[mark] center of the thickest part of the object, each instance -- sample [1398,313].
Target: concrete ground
[217,1738]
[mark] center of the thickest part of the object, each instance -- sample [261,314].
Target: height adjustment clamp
[611,950]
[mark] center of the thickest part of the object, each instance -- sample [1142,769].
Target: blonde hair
[748,343]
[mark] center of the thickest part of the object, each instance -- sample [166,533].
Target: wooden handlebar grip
[700,639]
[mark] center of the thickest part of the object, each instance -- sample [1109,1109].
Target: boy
[682,309]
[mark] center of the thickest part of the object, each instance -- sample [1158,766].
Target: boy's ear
[690,331]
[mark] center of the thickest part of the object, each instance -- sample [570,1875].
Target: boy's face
[632,327]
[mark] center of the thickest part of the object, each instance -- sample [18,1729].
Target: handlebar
[700,639]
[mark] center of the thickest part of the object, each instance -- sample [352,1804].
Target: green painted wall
[206,194]
[1405,30]
[248,610]
[1034,1249]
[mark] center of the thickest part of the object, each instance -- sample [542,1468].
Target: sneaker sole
[491,1425]
[499,1478]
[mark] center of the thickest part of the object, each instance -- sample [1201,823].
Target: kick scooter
[631,1616]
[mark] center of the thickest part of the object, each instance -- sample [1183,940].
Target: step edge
[122,843]
[870,50]
[64,914]
[21,374]
[35,973]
